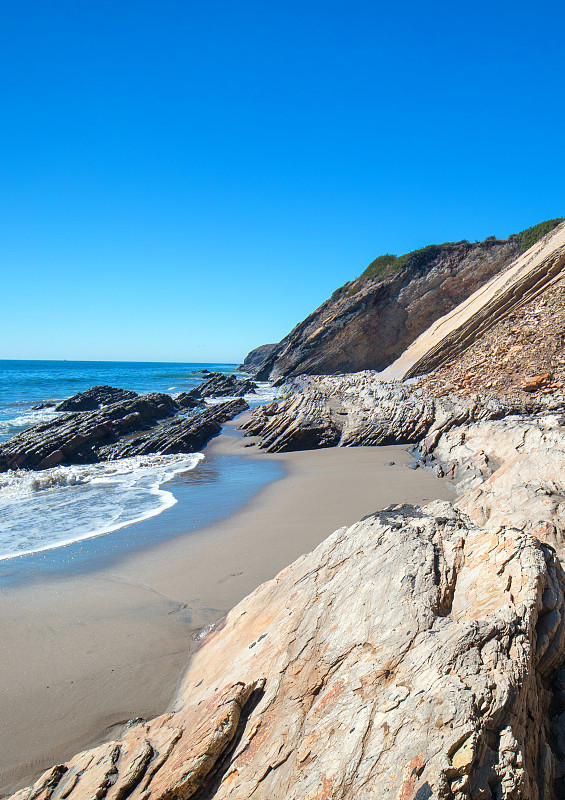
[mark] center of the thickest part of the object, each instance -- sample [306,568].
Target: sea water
[47,509]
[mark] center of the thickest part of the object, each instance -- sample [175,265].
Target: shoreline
[85,653]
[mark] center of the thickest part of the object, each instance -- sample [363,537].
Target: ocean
[64,508]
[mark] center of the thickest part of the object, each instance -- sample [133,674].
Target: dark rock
[40,406]
[76,438]
[303,422]
[390,463]
[186,400]
[220,385]
[179,435]
[95,398]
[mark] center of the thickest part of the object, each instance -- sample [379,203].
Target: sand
[82,654]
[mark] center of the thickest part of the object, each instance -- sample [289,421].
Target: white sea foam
[264,393]
[40,510]
[10,427]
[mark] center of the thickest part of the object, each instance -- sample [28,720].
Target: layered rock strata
[454,332]
[178,435]
[359,409]
[419,653]
[219,385]
[131,427]
[522,352]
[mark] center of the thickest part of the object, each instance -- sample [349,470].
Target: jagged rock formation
[529,275]
[115,431]
[256,357]
[218,385]
[178,435]
[359,409]
[94,398]
[417,654]
[369,322]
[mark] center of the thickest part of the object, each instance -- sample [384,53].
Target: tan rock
[407,656]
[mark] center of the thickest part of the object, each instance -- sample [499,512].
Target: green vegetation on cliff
[530,236]
[388,264]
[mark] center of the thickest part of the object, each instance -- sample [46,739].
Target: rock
[178,435]
[370,321]
[411,654]
[453,333]
[95,398]
[535,383]
[77,438]
[129,428]
[303,422]
[186,400]
[219,385]
[360,409]
[41,406]
[254,359]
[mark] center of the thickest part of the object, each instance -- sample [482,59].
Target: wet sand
[82,654]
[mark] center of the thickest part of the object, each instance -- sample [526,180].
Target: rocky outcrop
[136,426]
[256,357]
[178,435]
[369,322]
[217,385]
[411,655]
[95,398]
[360,409]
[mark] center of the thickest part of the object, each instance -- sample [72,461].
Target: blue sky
[184,181]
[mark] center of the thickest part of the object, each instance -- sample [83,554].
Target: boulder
[95,398]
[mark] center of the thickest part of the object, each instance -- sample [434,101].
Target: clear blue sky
[186,180]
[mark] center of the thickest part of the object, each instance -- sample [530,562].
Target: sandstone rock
[360,409]
[95,398]
[411,655]
[303,422]
[451,334]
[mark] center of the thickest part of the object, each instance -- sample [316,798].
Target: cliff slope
[370,321]
[517,285]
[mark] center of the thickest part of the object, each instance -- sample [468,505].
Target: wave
[10,427]
[264,393]
[58,506]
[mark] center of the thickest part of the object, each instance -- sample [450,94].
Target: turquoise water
[72,517]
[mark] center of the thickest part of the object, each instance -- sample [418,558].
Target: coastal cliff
[419,653]
[370,321]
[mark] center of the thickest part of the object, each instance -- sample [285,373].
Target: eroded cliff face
[509,292]
[367,324]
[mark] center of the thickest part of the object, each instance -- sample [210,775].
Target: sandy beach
[82,654]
